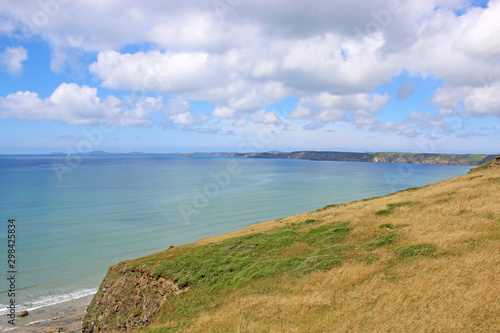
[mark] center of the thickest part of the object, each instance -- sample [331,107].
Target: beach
[62,317]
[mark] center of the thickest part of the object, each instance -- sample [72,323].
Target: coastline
[346,261]
[338,156]
[47,318]
[61,317]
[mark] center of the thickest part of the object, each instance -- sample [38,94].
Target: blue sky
[188,76]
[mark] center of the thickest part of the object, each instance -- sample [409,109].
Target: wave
[49,300]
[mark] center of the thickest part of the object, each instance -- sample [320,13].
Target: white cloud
[6,25]
[482,36]
[484,100]
[391,126]
[265,117]
[363,107]
[300,112]
[318,64]
[12,58]
[450,97]
[354,102]
[187,119]
[441,51]
[223,112]
[480,101]
[77,105]
[261,52]
[155,71]
[240,122]
[329,115]
[195,31]
[180,113]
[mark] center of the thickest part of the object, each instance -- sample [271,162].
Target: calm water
[77,216]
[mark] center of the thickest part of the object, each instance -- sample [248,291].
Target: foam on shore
[61,313]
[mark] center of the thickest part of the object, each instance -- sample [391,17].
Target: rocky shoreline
[65,317]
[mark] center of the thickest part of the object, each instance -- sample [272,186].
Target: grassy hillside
[421,260]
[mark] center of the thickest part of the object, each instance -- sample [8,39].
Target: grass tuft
[416,250]
[391,207]
[384,239]
[328,234]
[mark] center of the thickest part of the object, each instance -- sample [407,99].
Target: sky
[169,76]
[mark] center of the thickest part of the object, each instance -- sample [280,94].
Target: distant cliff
[383,157]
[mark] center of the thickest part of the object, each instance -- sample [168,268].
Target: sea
[77,215]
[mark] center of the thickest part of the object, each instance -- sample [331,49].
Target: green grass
[221,268]
[386,226]
[227,266]
[310,221]
[382,240]
[391,207]
[329,234]
[416,250]
[238,261]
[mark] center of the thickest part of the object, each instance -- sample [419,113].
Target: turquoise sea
[76,216]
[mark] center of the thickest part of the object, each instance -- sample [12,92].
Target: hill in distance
[381,157]
[421,260]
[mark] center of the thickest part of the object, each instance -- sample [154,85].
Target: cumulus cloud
[361,107]
[391,126]
[482,38]
[300,112]
[484,100]
[329,115]
[12,59]
[328,53]
[265,117]
[223,112]
[155,71]
[450,97]
[77,105]
[180,113]
[480,101]
[240,122]
[188,119]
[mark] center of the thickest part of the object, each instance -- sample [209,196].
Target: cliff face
[127,299]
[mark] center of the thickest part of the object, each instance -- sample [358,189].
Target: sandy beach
[61,317]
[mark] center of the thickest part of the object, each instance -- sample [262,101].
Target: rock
[50,330]
[496,162]
[23,313]
[131,299]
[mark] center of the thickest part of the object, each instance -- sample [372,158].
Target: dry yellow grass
[455,290]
